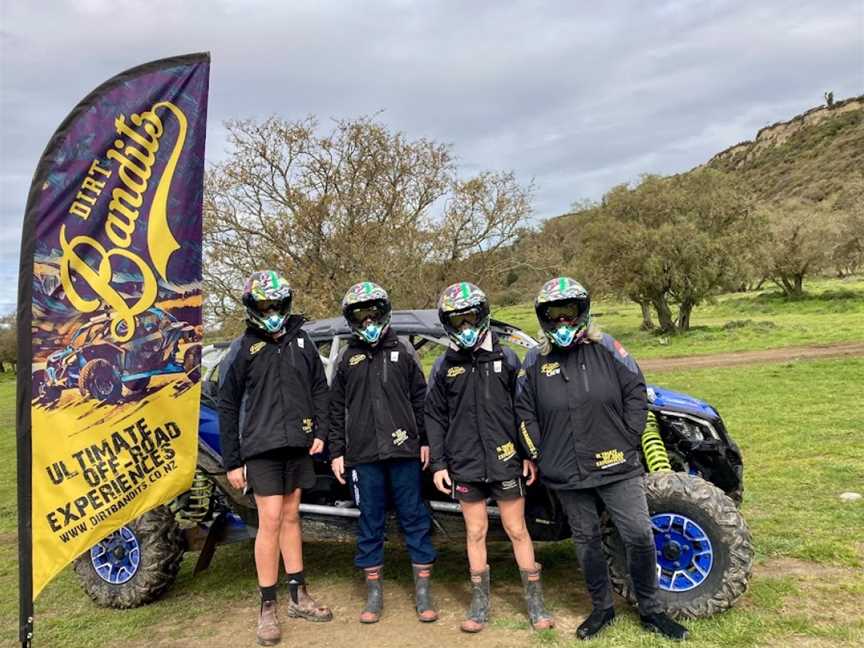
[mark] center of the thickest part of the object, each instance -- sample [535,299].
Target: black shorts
[280,472]
[509,489]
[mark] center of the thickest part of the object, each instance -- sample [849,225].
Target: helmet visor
[458,320]
[363,313]
[568,311]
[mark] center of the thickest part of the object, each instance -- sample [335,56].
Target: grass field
[800,426]
[832,311]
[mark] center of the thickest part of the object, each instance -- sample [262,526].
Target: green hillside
[816,156]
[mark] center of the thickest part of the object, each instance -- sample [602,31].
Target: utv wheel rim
[684,552]
[117,557]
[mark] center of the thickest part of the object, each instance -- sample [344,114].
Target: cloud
[576,97]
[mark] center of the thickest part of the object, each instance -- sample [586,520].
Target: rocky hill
[815,156]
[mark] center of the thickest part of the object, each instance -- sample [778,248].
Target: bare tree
[356,202]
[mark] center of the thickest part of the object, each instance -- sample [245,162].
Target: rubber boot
[478,613]
[663,624]
[426,611]
[374,595]
[533,591]
[268,632]
[307,607]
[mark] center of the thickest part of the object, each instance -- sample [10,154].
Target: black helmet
[563,309]
[365,301]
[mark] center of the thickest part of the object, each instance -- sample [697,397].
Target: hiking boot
[268,633]
[307,608]
[596,621]
[478,613]
[663,624]
[374,595]
[533,592]
[426,611]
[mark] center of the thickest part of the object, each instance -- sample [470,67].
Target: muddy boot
[478,613]
[540,618]
[268,633]
[426,611]
[305,607]
[374,595]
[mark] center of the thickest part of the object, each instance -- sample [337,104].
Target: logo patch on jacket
[399,437]
[609,458]
[357,358]
[620,349]
[307,425]
[255,348]
[452,372]
[550,369]
[506,451]
[394,356]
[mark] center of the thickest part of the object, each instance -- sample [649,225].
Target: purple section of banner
[101,185]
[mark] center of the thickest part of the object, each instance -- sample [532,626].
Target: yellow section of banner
[97,467]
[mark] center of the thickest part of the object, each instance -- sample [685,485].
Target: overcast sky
[573,97]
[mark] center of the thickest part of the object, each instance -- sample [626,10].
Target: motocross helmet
[366,308]
[563,309]
[267,298]
[464,312]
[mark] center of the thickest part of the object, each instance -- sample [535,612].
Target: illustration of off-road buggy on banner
[694,484]
[99,367]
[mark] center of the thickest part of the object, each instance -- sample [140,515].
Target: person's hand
[529,470]
[424,456]
[317,447]
[236,478]
[338,468]
[440,478]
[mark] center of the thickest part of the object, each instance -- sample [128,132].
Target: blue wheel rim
[117,557]
[684,552]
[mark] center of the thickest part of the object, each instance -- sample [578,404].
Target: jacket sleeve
[632,382]
[319,388]
[336,438]
[417,387]
[232,386]
[437,417]
[526,407]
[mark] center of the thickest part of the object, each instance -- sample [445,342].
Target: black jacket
[470,418]
[582,414]
[272,394]
[376,402]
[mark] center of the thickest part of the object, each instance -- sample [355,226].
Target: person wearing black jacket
[582,405]
[472,431]
[377,429]
[272,416]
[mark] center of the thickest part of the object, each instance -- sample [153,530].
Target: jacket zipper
[477,421]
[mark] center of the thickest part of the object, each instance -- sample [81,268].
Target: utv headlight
[690,427]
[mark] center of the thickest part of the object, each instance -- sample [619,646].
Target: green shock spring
[653,447]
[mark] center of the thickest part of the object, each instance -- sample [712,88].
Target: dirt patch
[736,358]
[235,626]
[828,595]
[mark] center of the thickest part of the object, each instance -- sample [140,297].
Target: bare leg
[267,539]
[476,526]
[513,519]
[290,533]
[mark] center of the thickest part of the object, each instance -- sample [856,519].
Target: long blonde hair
[593,335]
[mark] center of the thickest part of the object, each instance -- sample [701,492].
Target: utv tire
[101,381]
[192,362]
[44,393]
[152,550]
[699,529]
